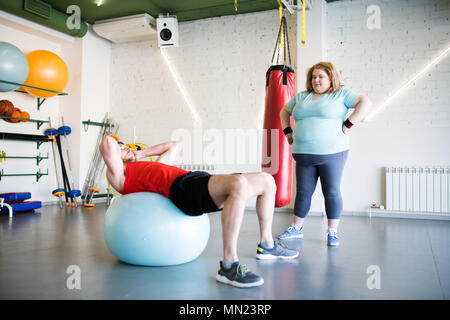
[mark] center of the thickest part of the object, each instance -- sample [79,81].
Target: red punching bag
[277,156]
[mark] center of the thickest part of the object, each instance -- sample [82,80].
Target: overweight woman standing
[320,143]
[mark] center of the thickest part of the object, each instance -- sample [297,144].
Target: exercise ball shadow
[147,229]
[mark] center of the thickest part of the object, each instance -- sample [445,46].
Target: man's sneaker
[291,233]
[239,276]
[279,251]
[333,240]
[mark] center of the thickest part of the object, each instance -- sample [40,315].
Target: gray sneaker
[239,276]
[279,251]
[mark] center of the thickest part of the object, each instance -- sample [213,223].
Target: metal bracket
[88,123]
[292,8]
[40,102]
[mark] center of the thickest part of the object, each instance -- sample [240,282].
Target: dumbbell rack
[38,158]
[24,137]
[39,139]
[38,174]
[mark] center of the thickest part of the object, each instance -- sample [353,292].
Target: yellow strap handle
[235,5]
[109,188]
[280,9]
[303,23]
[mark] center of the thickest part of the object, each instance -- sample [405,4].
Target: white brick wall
[415,128]
[412,33]
[222,63]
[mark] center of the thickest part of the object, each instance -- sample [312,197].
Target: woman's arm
[166,152]
[285,118]
[362,106]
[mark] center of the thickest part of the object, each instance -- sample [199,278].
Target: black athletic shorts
[189,192]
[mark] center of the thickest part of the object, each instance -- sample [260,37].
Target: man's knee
[269,182]
[238,186]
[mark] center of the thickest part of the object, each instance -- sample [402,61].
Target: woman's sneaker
[239,276]
[332,239]
[291,233]
[279,251]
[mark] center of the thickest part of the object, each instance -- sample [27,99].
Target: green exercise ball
[13,66]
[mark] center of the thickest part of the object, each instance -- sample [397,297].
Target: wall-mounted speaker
[167,28]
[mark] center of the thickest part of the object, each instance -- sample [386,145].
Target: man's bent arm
[110,151]
[166,152]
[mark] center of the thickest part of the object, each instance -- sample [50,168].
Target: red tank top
[148,176]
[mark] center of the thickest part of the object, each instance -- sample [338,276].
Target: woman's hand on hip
[289,138]
[345,130]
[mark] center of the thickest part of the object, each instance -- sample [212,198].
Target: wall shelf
[37,174]
[39,123]
[40,101]
[39,139]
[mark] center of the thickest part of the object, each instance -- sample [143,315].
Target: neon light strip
[389,100]
[180,86]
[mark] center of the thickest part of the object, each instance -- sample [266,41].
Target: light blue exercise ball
[147,229]
[13,66]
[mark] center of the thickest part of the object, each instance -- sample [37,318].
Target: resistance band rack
[40,101]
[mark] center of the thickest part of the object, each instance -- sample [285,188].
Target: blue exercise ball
[13,66]
[147,229]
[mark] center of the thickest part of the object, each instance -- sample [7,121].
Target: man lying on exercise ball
[198,192]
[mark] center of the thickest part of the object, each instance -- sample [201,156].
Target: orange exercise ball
[46,70]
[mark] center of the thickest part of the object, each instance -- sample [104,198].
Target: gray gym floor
[413,258]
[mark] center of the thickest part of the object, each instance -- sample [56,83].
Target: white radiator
[418,189]
[210,168]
